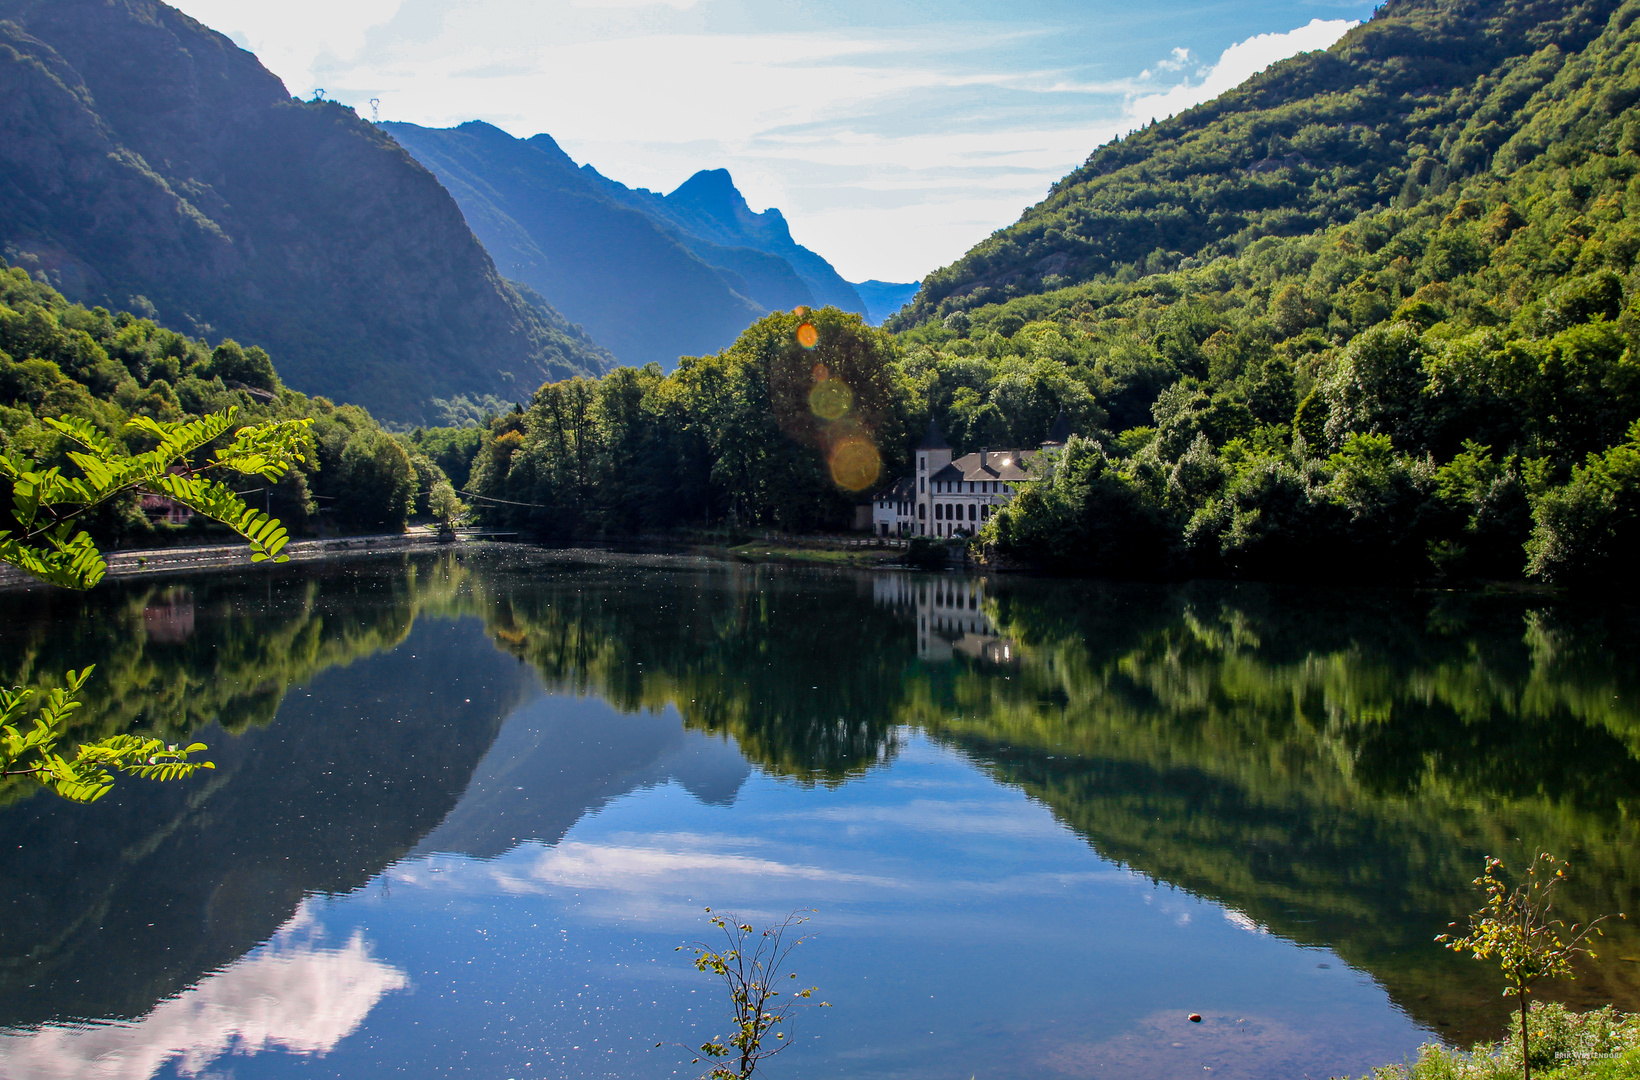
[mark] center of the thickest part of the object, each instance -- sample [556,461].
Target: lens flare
[855,463]
[831,399]
[808,336]
[820,372]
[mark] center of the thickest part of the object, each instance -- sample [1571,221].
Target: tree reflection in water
[1330,764]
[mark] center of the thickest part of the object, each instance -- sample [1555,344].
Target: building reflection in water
[950,614]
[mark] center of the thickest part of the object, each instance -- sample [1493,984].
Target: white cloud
[681,5]
[890,148]
[600,866]
[1243,922]
[290,37]
[290,994]
[1176,60]
[1238,63]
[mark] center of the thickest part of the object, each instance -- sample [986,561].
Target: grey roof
[1009,465]
[1060,433]
[933,440]
[901,490]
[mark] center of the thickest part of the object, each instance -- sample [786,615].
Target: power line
[504,502]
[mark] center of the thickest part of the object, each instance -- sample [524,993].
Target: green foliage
[46,505]
[1428,234]
[114,374]
[443,504]
[34,752]
[1585,532]
[769,432]
[1416,100]
[751,969]
[1517,928]
[1601,1044]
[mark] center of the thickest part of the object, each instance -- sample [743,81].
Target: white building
[948,496]
[950,614]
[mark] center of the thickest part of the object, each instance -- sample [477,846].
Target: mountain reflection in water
[1328,767]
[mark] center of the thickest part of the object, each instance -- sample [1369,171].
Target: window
[922,510]
[973,512]
[922,485]
[922,463]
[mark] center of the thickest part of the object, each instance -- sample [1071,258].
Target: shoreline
[138,562]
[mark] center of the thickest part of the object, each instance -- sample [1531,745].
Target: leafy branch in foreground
[751,968]
[1517,928]
[87,776]
[47,505]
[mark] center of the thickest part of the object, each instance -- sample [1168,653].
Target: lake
[468,804]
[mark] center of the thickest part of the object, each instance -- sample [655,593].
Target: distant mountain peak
[713,192]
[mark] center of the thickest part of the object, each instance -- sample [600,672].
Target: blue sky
[894,134]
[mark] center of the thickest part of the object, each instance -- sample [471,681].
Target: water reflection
[952,617]
[1316,767]
[292,994]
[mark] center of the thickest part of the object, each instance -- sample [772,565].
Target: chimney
[984,452]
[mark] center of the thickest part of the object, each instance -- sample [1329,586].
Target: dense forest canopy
[1422,95]
[1416,362]
[62,359]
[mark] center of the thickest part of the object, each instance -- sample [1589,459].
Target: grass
[766,552]
[1600,1045]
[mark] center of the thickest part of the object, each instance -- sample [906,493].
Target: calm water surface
[467,805]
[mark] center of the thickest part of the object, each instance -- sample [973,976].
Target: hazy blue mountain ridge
[884,298]
[632,285]
[147,162]
[709,207]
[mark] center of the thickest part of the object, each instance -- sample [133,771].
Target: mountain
[1420,96]
[653,277]
[1374,314]
[708,213]
[147,162]
[884,298]
[608,267]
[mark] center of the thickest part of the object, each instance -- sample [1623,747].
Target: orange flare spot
[855,464]
[808,336]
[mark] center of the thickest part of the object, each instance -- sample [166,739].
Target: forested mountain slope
[1448,385]
[1423,94]
[1446,388]
[145,161]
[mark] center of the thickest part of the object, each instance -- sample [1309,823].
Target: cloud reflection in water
[292,994]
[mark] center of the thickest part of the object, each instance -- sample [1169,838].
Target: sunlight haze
[892,138]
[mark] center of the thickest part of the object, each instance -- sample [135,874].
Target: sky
[893,134]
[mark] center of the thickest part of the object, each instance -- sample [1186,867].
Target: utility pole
[375,110]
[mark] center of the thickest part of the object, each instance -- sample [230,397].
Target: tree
[1517,928]
[751,968]
[48,506]
[444,504]
[46,510]
[87,776]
